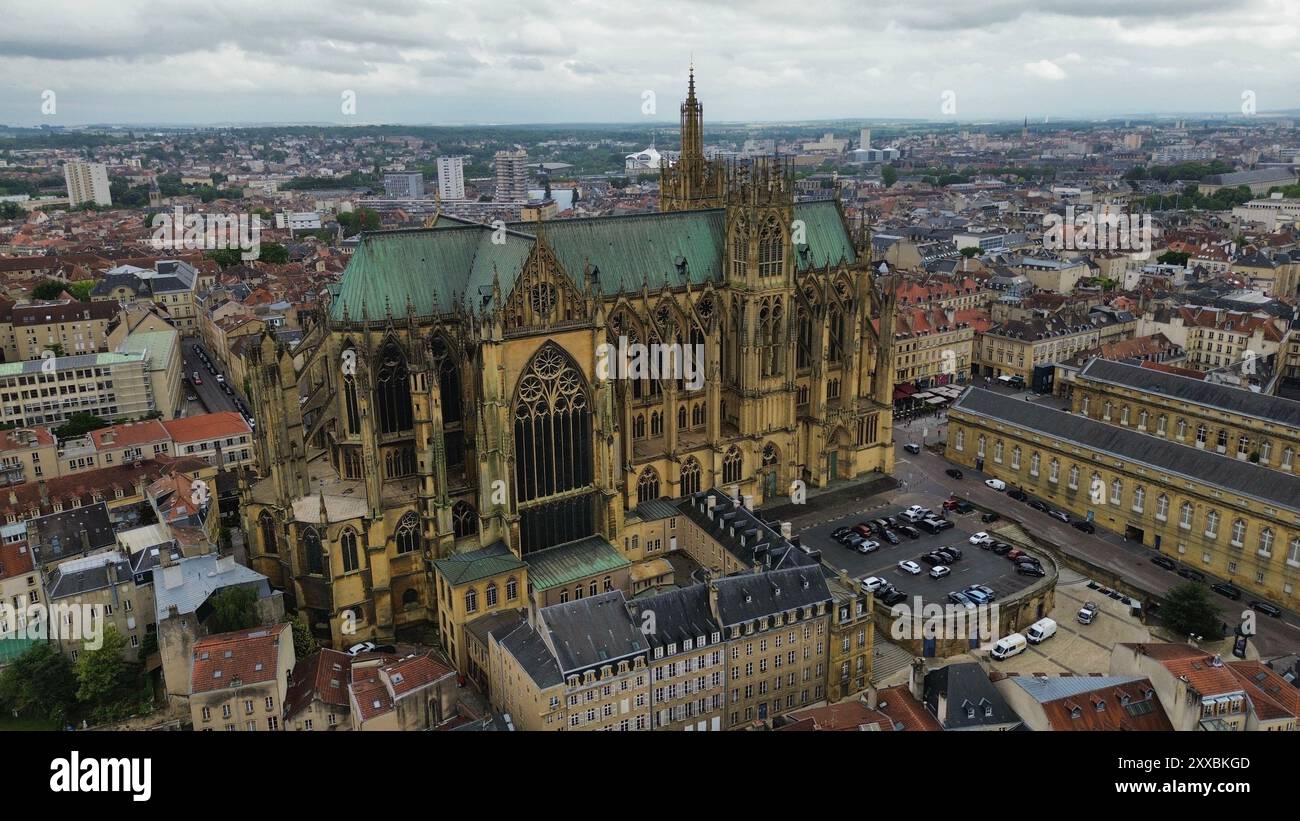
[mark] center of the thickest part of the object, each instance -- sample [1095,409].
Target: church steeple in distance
[692,182]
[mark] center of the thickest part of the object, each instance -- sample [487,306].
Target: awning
[937,400]
[905,388]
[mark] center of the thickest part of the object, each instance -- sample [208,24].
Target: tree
[148,646]
[970,251]
[81,289]
[889,174]
[1173,258]
[40,683]
[79,424]
[304,643]
[274,253]
[1187,610]
[106,685]
[48,289]
[234,608]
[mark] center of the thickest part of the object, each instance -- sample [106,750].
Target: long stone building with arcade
[450,446]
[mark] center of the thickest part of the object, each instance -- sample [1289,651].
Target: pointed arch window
[312,555]
[448,379]
[770,254]
[690,476]
[803,351]
[638,426]
[647,486]
[835,350]
[393,390]
[656,423]
[408,534]
[770,455]
[697,415]
[351,408]
[740,250]
[348,550]
[681,417]
[267,525]
[464,519]
[731,464]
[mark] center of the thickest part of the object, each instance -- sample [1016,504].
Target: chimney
[13,499]
[916,678]
[225,564]
[173,611]
[749,502]
[873,697]
[710,501]
[45,493]
[713,603]
[172,576]
[786,530]
[85,540]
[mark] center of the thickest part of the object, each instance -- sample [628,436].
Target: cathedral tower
[693,182]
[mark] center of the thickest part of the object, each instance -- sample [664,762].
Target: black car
[1037,505]
[1224,589]
[909,531]
[934,558]
[945,557]
[1194,575]
[890,536]
[1027,569]
[964,507]
[990,517]
[1000,548]
[1164,561]
[893,521]
[893,597]
[839,531]
[953,549]
[1266,608]
[1018,495]
[954,473]
[1086,527]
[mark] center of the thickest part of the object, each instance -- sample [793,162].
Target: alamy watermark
[919,620]
[1107,231]
[67,622]
[658,360]
[179,231]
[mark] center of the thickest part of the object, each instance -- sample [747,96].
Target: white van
[1041,630]
[1012,645]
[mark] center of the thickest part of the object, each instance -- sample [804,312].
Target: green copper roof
[492,560]
[569,562]
[456,262]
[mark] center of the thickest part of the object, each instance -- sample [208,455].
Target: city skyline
[410,62]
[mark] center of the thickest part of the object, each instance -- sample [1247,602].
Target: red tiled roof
[845,716]
[15,560]
[1272,696]
[9,441]
[207,426]
[1080,711]
[899,704]
[130,433]
[323,676]
[85,487]
[247,656]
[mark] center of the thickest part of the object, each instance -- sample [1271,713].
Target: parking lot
[977,566]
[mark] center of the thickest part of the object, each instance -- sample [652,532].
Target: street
[210,395]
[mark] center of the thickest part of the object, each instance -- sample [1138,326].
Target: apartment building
[1228,517]
[171,285]
[49,391]
[1016,347]
[414,693]
[20,583]
[404,185]
[164,367]
[239,680]
[118,586]
[1218,338]
[27,454]
[451,178]
[934,346]
[87,182]
[511,176]
[318,699]
[64,327]
[224,440]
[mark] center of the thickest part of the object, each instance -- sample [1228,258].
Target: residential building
[118,586]
[170,285]
[511,176]
[49,391]
[1069,703]
[318,699]
[224,439]
[451,178]
[65,327]
[414,693]
[87,183]
[404,186]
[239,681]
[961,697]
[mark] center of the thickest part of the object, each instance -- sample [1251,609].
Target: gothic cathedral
[443,444]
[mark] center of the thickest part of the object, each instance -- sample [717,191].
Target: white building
[87,182]
[451,178]
[511,176]
[404,186]
[643,162]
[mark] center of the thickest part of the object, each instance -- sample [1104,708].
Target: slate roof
[760,545]
[962,685]
[58,535]
[532,654]
[1195,391]
[199,580]
[569,562]
[1224,472]
[743,598]
[463,568]
[591,631]
[441,268]
[677,615]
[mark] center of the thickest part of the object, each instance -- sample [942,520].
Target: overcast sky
[516,61]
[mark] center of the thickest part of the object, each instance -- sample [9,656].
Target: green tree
[81,289]
[274,253]
[79,424]
[108,686]
[889,174]
[1187,610]
[40,683]
[148,646]
[304,643]
[970,251]
[48,289]
[234,608]
[1173,258]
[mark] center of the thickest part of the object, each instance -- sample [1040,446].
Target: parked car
[915,513]
[1037,505]
[1165,562]
[910,567]
[853,540]
[1266,608]
[933,558]
[221,379]
[890,536]
[196,349]
[909,531]
[1085,526]
[985,589]
[958,597]
[1009,646]
[863,529]
[363,647]
[867,546]
[1087,613]
[954,473]
[839,531]
[1225,589]
[1191,575]
[873,584]
[963,507]
[952,550]
[198,380]
[944,557]
[980,538]
[1018,495]
[893,521]
[1001,548]
[1059,515]
[934,524]
[950,503]
[976,596]
[1027,569]
[189,397]
[939,571]
[996,484]
[990,517]
[893,597]
[912,447]
[1040,631]
[1015,553]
